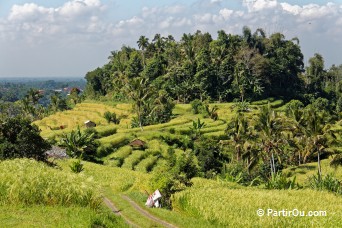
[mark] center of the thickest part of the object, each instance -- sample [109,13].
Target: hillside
[218,202]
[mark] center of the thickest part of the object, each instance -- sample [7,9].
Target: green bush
[175,176]
[76,166]
[242,106]
[172,130]
[279,181]
[92,131]
[196,106]
[111,117]
[80,145]
[328,182]
[20,139]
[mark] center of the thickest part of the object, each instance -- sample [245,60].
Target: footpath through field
[136,207]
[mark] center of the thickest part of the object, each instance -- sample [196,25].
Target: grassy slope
[50,216]
[303,172]
[33,194]
[208,202]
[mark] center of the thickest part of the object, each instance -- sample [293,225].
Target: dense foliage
[20,139]
[245,67]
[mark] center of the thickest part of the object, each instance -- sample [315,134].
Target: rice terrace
[232,131]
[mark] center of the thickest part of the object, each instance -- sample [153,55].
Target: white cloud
[72,17]
[226,13]
[84,22]
[259,5]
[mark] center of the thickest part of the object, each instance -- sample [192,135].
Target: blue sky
[71,37]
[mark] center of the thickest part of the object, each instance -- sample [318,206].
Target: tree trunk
[319,164]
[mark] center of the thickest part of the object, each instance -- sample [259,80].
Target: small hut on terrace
[138,144]
[89,124]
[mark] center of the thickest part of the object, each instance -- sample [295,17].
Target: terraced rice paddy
[114,139]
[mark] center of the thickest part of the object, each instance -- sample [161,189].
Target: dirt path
[146,214]
[117,211]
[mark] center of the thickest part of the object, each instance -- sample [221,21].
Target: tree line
[231,67]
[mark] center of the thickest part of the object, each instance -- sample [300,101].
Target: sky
[64,38]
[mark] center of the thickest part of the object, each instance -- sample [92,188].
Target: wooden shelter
[137,144]
[89,124]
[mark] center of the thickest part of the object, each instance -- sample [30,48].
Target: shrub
[20,139]
[175,176]
[210,156]
[80,145]
[279,181]
[212,113]
[328,182]
[111,117]
[235,172]
[242,106]
[172,130]
[76,166]
[196,106]
[93,131]
[321,104]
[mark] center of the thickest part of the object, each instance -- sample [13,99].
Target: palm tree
[159,44]
[34,95]
[241,135]
[139,90]
[143,44]
[270,126]
[187,47]
[318,135]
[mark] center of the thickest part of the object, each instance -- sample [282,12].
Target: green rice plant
[146,165]
[104,149]
[116,140]
[105,131]
[236,208]
[131,161]
[117,179]
[24,181]
[122,152]
[57,216]
[117,158]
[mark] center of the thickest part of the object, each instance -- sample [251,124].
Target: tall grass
[24,181]
[238,207]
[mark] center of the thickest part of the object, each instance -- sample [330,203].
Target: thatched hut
[137,144]
[89,124]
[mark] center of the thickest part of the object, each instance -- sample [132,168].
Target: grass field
[208,203]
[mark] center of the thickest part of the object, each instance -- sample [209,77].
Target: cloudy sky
[70,37]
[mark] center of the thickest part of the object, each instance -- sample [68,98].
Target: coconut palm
[139,90]
[270,126]
[318,135]
[143,44]
[242,137]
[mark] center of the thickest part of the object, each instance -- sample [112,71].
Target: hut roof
[137,142]
[88,121]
